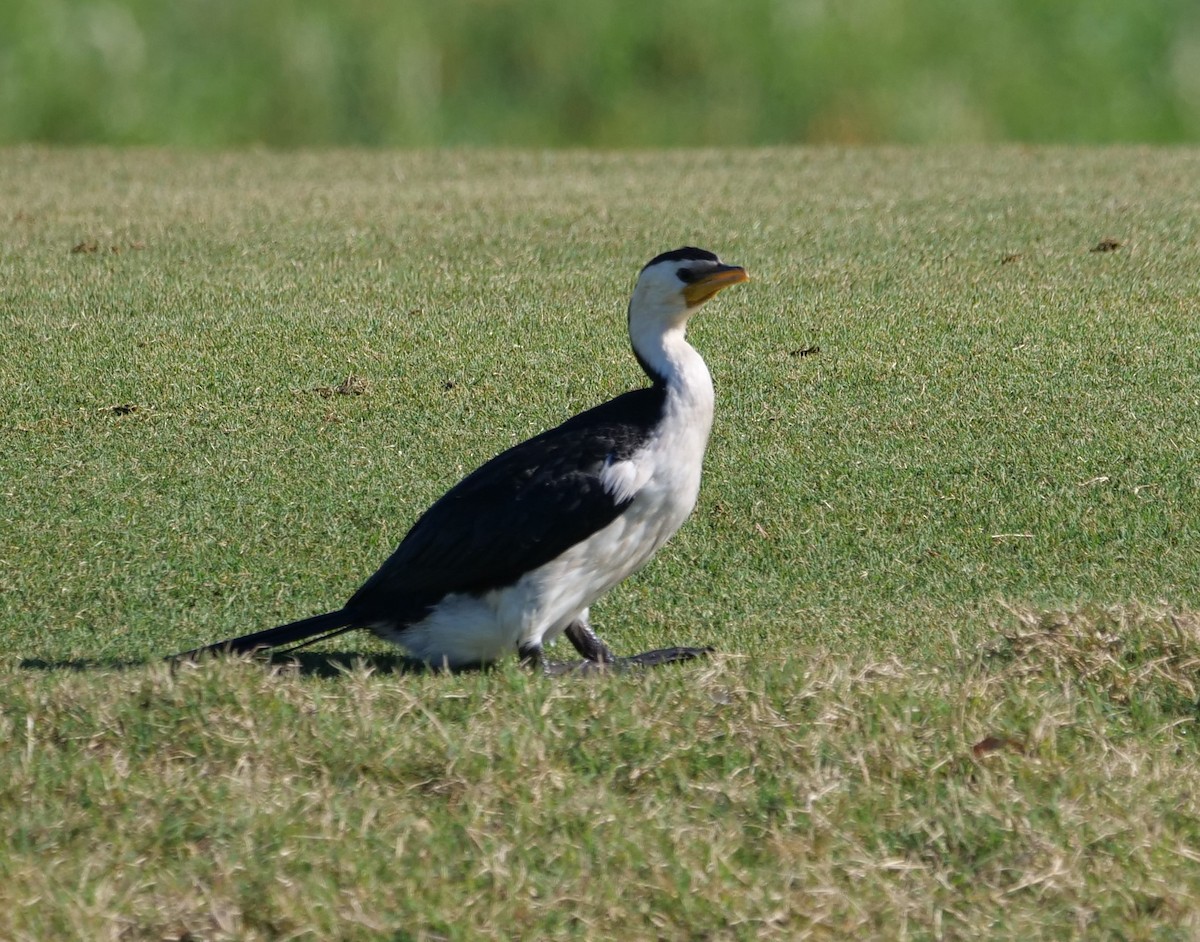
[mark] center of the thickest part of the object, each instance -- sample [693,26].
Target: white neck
[675,363]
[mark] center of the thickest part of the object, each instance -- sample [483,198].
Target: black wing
[515,513]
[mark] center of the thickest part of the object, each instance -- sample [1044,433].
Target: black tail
[316,627]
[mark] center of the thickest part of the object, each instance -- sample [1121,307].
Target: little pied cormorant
[515,553]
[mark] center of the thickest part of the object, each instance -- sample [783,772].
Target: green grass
[999,422]
[619,73]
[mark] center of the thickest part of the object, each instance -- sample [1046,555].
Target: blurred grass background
[613,73]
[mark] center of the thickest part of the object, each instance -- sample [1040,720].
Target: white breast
[663,480]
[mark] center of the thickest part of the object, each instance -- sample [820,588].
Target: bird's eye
[687,275]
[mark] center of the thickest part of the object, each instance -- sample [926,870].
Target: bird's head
[673,285]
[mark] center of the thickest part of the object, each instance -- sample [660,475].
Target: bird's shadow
[338,663]
[305,663]
[78,665]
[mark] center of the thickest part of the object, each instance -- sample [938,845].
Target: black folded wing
[514,514]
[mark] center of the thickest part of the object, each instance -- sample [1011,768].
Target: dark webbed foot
[598,657]
[533,657]
[622,664]
[662,656]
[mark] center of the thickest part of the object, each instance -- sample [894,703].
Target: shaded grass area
[1041,788]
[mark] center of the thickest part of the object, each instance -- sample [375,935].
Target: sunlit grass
[995,412]
[230,383]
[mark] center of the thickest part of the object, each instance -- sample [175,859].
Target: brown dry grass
[1044,788]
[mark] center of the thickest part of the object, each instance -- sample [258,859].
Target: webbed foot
[641,661]
[598,656]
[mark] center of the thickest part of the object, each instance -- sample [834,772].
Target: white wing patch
[623,479]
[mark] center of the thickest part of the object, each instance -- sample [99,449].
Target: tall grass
[611,73]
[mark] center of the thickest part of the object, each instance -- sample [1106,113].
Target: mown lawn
[946,546]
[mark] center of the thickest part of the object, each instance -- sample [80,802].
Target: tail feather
[316,627]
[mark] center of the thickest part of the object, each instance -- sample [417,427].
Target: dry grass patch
[1043,787]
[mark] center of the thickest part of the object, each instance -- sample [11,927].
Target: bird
[516,553]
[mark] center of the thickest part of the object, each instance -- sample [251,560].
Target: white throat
[675,363]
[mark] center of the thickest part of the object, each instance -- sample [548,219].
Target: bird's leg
[533,657]
[595,652]
[587,642]
[599,656]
